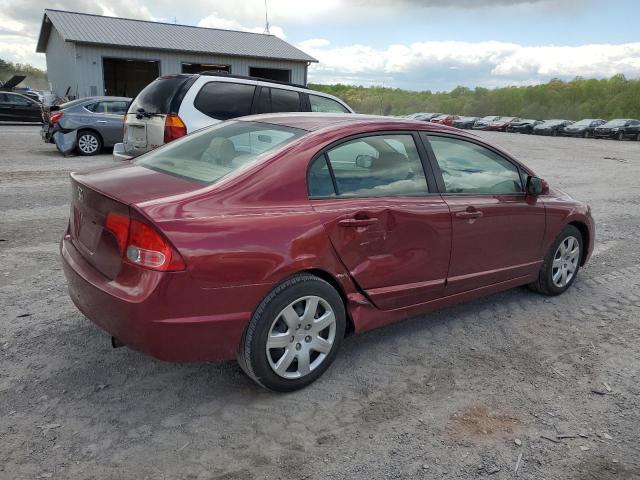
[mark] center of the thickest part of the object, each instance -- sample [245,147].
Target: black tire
[638,137]
[620,136]
[544,284]
[252,355]
[555,133]
[585,134]
[93,143]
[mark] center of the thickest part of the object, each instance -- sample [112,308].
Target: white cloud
[216,21]
[444,64]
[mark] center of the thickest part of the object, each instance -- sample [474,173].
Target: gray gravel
[444,396]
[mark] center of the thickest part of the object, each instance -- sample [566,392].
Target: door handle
[467,214]
[357,222]
[101,121]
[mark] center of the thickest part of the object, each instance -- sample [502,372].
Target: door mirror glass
[364,161]
[534,185]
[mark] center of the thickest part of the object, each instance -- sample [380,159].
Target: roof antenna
[266,19]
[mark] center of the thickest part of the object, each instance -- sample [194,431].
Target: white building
[90,55]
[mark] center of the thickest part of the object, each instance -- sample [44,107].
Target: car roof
[107,98]
[319,121]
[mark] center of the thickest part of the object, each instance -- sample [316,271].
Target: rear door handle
[101,121]
[466,214]
[357,222]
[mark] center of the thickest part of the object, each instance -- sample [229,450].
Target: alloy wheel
[301,337]
[88,144]
[565,261]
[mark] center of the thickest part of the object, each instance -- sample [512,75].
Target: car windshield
[210,154]
[583,123]
[491,118]
[551,122]
[615,123]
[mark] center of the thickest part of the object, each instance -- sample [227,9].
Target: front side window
[212,153]
[18,100]
[380,165]
[225,100]
[326,105]
[471,168]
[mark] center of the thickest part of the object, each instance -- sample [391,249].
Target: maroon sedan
[268,238]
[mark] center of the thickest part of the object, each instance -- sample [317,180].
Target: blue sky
[413,44]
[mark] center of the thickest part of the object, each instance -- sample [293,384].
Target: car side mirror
[364,161]
[535,185]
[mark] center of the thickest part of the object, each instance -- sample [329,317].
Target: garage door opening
[126,78]
[271,74]
[204,67]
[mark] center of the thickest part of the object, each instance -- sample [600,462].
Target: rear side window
[470,168]
[158,95]
[326,105]
[117,108]
[380,165]
[225,100]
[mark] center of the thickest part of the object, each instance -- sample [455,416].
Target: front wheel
[294,334]
[620,136]
[561,264]
[585,134]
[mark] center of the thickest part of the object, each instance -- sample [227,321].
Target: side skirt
[367,317]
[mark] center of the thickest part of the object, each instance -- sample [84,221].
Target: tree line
[36,77]
[616,97]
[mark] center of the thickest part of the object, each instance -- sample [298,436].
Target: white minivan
[174,105]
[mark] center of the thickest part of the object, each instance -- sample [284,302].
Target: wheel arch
[584,231]
[92,130]
[333,281]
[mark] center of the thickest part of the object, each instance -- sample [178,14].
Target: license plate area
[137,135]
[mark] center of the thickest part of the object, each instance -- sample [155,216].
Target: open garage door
[125,78]
[276,74]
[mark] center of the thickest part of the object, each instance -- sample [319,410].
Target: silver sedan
[86,125]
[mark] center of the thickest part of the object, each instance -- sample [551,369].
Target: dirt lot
[457,394]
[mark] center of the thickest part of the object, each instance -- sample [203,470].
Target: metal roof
[128,33]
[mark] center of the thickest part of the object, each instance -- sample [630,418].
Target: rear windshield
[210,154]
[157,96]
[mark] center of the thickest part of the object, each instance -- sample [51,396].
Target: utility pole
[266,19]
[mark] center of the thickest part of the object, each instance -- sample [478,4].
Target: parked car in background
[464,122]
[445,119]
[619,128]
[583,128]
[501,124]
[422,116]
[172,106]
[522,125]
[551,127]
[483,123]
[268,251]
[15,107]
[98,122]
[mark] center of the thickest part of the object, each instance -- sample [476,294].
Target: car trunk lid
[97,193]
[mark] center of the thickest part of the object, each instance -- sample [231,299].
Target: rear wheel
[555,133]
[638,137]
[620,136]
[294,335]
[89,143]
[561,264]
[585,134]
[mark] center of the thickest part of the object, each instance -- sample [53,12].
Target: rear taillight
[174,128]
[55,118]
[124,127]
[141,244]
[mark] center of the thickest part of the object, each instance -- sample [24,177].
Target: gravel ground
[463,393]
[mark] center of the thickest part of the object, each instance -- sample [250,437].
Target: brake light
[124,127]
[55,118]
[142,245]
[174,128]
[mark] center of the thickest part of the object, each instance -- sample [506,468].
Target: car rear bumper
[120,154]
[157,315]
